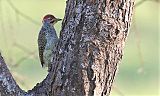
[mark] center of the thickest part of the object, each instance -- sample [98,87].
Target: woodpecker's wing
[41,44]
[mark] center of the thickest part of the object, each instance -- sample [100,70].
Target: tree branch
[18,12]
[8,86]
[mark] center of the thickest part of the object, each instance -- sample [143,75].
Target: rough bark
[85,60]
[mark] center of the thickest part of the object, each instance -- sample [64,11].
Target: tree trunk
[85,60]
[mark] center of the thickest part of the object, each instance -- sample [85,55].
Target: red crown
[48,16]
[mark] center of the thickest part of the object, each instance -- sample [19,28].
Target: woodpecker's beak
[58,19]
[55,20]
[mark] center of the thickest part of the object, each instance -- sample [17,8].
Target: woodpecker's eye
[49,18]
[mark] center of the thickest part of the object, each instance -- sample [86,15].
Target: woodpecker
[47,39]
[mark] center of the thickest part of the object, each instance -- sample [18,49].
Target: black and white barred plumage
[47,39]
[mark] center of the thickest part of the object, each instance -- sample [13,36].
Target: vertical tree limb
[91,46]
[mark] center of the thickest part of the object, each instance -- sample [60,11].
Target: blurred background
[20,22]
